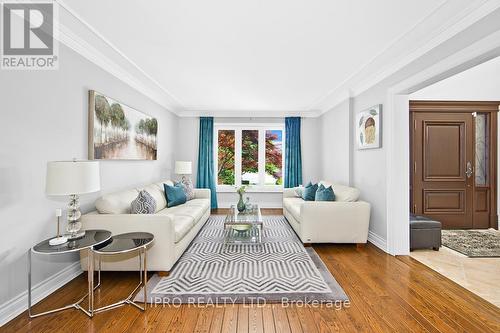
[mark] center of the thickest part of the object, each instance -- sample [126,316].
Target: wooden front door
[444,183]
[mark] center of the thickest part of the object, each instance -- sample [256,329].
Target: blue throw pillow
[309,192]
[175,195]
[325,193]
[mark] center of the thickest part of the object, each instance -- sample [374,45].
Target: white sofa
[174,228]
[344,220]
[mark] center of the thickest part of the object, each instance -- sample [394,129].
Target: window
[274,157]
[225,157]
[249,155]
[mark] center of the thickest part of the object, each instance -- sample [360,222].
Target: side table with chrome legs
[92,238]
[120,244]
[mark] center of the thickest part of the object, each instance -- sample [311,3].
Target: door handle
[469,171]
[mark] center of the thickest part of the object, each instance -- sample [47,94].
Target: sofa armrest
[161,226]
[347,222]
[289,192]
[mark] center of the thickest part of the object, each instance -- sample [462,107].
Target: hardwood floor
[387,294]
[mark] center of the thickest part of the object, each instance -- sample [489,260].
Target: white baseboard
[377,240]
[12,308]
[261,204]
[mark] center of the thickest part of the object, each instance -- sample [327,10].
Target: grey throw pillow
[298,191]
[143,204]
[188,187]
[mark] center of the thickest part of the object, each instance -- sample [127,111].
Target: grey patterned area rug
[280,269]
[473,243]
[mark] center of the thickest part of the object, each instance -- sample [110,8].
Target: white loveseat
[344,220]
[174,228]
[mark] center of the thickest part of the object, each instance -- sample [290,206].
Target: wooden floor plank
[306,320]
[242,318]
[204,320]
[230,322]
[293,319]
[255,323]
[280,319]
[217,319]
[268,319]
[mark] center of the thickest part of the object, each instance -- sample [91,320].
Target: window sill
[253,189]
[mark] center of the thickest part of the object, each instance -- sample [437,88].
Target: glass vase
[241,204]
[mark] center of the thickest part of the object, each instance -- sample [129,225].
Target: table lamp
[183,168]
[73,178]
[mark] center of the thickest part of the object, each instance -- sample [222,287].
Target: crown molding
[370,74]
[77,34]
[334,100]
[237,113]
[84,39]
[463,20]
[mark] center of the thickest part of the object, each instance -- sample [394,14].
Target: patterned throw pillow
[188,187]
[143,204]
[298,191]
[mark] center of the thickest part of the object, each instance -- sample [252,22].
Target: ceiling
[252,56]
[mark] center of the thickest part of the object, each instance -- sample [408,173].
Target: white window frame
[238,128]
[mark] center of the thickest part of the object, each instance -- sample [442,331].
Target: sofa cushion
[143,204]
[157,194]
[203,203]
[342,192]
[194,211]
[116,203]
[182,225]
[175,195]
[324,194]
[309,192]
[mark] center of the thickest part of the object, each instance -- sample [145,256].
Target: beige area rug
[473,243]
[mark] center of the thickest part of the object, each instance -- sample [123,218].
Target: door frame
[490,107]
[397,136]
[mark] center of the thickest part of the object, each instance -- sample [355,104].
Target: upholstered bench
[424,233]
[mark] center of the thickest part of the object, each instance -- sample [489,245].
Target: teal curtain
[293,154]
[206,169]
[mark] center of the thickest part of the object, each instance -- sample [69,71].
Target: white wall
[369,166]
[479,83]
[336,141]
[43,117]
[343,163]
[311,145]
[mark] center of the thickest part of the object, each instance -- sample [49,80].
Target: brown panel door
[443,183]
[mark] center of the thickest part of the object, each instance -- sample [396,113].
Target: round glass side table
[125,243]
[92,238]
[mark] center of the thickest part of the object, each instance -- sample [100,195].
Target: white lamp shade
[183,167]
[72,177]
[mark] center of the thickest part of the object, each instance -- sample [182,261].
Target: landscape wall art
[119,132]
